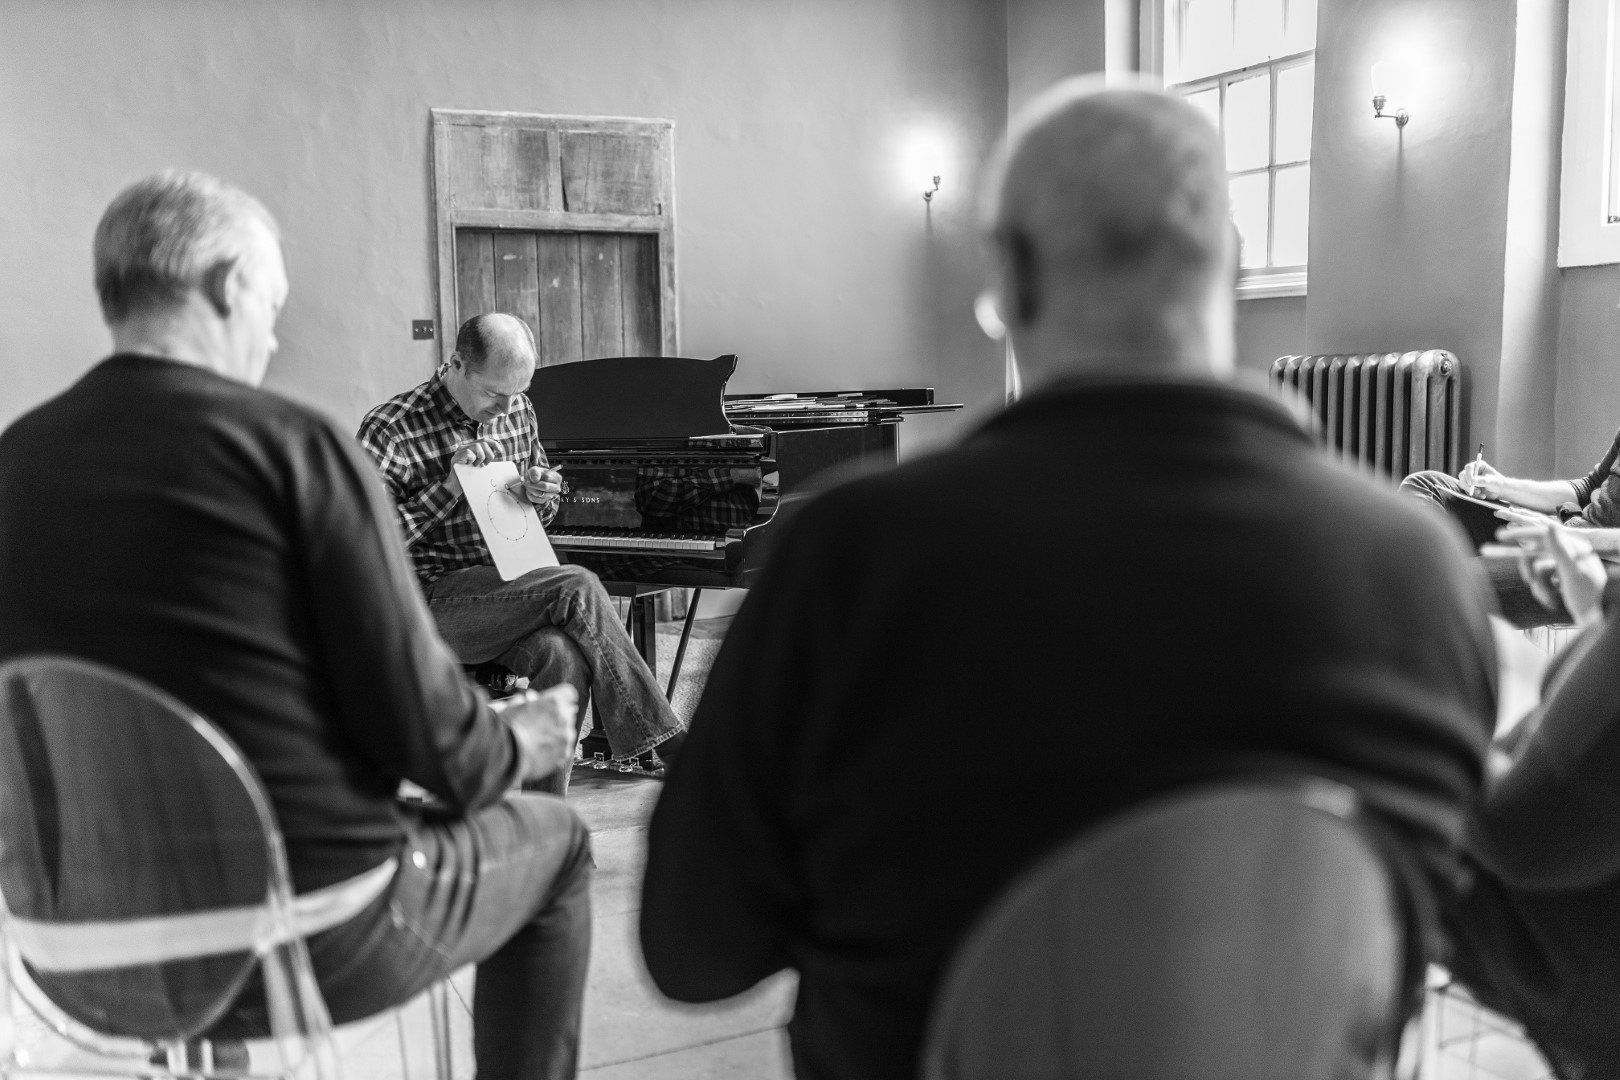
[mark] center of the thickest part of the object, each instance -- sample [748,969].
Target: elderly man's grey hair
[163,235]
[1118,193]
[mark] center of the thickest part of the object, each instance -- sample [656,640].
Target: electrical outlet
[421,329]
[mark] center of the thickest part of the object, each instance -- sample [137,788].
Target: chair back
[119,808]
[1241,930]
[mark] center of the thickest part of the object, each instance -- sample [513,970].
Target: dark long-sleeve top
[237,550]
[1162,581]
[1597,494]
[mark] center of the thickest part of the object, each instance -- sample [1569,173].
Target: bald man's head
[492,365]
[1108,214]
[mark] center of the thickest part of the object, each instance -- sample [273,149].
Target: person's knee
[554,658]
[548,822]
[1426,484]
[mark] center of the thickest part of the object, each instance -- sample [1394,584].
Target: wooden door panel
[517,281]
[610,173]
[561,340]
[600,304]
[638,292]
[475,276]
[565,222]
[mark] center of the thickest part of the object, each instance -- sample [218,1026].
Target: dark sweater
[238,550]
[948,669]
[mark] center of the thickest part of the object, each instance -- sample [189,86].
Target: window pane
[1290,246]
[1248,123]
[1257,29]
[1207,102]
[1206,39]
[1300,30]
[1296,87]
[1249,195]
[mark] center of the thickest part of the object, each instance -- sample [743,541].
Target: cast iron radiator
[1392,413]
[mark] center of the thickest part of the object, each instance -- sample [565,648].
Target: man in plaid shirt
[554,624]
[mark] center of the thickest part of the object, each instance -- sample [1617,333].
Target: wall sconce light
[1390,78]
[928,194]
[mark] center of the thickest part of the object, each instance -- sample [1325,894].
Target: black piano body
[670,482]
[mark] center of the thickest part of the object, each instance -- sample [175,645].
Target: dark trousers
[508,889]
[1518,604]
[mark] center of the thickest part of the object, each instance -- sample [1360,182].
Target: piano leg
[680,650]
[643,628]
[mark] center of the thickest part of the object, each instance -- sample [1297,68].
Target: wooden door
[566,222]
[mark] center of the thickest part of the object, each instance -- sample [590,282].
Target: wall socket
[421,329]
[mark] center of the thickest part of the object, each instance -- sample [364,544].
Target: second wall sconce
[1389,77]
[928,195]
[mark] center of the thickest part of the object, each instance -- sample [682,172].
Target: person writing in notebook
[552,624]
[1588,502]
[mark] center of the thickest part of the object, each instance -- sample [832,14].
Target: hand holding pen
[1480,478]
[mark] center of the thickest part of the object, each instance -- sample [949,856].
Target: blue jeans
[1518,604]
[515,623]
[506,888]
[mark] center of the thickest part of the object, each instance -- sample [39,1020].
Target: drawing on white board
[512,530]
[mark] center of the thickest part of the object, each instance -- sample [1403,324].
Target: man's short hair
[473,343]
[164,234]
[1123,186]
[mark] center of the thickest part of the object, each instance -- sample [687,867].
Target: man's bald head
[1108,213]
[492,365]
[495,340]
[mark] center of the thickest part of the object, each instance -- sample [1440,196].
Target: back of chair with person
[1244,930]
[138,854]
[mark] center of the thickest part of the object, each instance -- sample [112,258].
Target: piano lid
[632,397]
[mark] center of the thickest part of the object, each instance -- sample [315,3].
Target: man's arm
[419,506]
[721,900]
[1543,495]
[400,696]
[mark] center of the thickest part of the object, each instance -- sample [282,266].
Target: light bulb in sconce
[1392,84]
[922,163]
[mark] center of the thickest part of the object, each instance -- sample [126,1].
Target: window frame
[1256,282]
[1588,224]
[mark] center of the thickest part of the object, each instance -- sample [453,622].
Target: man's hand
[544,722]
[538,485]
[1481,478]
[1555,559]
[477,452]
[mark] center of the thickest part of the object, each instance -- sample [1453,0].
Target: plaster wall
[1409,226]
[803,245]
[1267,329]
[1049,40]
[1588,390]
[1531,285]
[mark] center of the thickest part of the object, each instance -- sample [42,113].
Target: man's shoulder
[387,419]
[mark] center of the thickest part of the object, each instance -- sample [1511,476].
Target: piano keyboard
[700,546]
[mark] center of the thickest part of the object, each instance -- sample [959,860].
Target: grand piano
[670,481]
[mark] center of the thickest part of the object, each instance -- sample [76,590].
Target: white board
[512,530]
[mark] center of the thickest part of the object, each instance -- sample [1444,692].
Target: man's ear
[221,283]
[1020,276]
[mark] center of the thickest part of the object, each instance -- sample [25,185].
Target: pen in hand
[1473,478]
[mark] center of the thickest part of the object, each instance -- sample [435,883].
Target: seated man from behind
[552,623]
[846,805]
[165,517]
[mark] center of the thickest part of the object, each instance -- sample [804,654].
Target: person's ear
[455,363]
[1020,279]
[222,284]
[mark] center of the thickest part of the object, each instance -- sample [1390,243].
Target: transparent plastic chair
[144,884]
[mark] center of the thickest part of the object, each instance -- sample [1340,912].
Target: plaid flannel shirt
[411,437]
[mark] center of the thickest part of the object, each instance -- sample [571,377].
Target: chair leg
[439,1006]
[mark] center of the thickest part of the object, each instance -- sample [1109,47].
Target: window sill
[1263,284]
